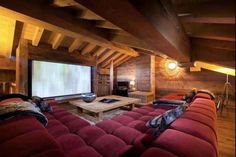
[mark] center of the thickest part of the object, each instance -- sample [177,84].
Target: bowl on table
[88,97]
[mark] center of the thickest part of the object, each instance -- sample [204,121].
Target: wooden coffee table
[98,107]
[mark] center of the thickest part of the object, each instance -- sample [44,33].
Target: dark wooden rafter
[38,13]
[113,57]
[208,54]
[17,36]
[45,52]
[216,44]
[122,61]
[211,31]
[104,56]
[165,34]
[214,20]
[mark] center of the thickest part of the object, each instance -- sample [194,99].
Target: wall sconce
[172,65]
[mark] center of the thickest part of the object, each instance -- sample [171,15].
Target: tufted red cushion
[127,134]
[85,151]
[69,142]
[109,125]
[90,133]
[196,129]
[123,119]
[152,152]
[109,145]
[183,144]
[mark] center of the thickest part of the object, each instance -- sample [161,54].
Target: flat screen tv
[49,79]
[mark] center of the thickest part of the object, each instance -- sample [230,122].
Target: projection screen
[56,79]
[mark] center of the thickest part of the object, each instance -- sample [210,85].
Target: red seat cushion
[90,134]
[154,152]
[184,145]
[69,142]
[85,151]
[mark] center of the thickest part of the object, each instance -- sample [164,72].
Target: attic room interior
[117,78]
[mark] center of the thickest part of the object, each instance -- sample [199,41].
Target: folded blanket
[15,109]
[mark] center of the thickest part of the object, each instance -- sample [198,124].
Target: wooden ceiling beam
[214,20]
[208,54]
[108,60]
[99,51]
[89,47]
[37,36]
[89,15]
[75,44]
[104,56]
[122,61]
[211,31]
[17,36]
[130,41]
[56,40]
[7,64]
[46,53]
[107,24]
[216,44]
[36,12]
[154,22]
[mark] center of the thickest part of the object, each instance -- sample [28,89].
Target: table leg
[80,110]
[132,106]
[100,116]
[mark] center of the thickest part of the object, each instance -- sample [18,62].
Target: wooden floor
[226,132]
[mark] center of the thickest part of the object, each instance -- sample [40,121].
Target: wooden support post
[111,76]
[22,67]
[152,76]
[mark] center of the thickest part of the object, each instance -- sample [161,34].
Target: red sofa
[193,134]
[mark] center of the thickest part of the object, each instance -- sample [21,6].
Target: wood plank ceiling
[117,30]
[210,26]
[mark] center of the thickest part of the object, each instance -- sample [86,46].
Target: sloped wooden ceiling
[210,25]
[115,30]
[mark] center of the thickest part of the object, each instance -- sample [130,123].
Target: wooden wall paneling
[22,67]
[7,64]
[7,75]
[183,80]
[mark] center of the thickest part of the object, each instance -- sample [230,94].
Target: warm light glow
[213,67]
[172,65]
[132,82]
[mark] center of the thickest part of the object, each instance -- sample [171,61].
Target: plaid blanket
[16,109]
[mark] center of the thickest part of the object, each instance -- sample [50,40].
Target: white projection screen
[56,79]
